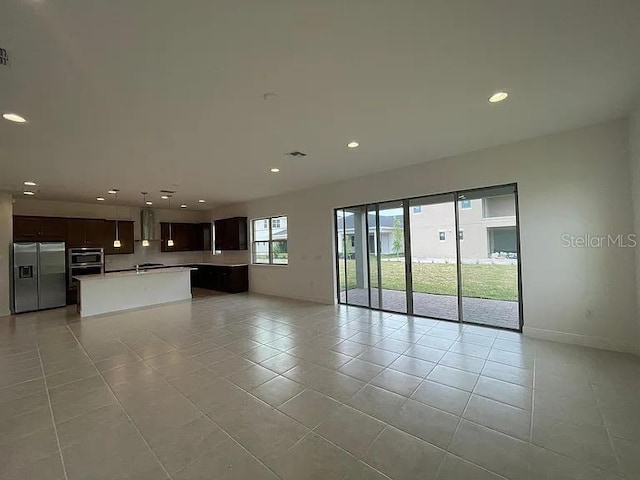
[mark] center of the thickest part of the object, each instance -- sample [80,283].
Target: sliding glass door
[449,256]
[374,255]
[434,272]
[353,255]
[391,257]
[489,257]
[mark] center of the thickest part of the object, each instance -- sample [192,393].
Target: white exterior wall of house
[475,223]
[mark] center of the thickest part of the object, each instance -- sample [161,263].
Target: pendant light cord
[117,229]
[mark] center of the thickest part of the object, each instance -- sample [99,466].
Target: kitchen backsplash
[227,257]
[152,254]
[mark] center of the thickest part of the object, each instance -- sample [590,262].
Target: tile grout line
[204,414]
[387,424]
[310,430]
[302,359]
[53,420]
[606,429]
[120,404]
[533,394]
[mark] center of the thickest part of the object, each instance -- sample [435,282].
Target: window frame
[270,241]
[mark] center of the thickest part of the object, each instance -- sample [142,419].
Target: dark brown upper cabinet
[187,237]
[75,232]
[125,234]
[85,232]
[231,233]
[39,229]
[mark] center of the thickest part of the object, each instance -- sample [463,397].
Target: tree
[398,237]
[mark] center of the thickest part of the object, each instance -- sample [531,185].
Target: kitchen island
[117,291]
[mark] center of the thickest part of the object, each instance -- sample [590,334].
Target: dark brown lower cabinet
[223,278]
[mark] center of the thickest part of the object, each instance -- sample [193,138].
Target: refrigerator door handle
[38,274]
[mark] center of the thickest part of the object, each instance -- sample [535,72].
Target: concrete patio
[495,313]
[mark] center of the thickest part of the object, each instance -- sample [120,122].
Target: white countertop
[112,275]
[202,264]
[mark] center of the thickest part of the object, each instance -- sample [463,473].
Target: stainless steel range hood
[147,225]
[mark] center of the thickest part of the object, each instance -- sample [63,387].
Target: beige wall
[634,150]
[574,182]
[6,237]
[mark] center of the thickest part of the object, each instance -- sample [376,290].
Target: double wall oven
[83,261]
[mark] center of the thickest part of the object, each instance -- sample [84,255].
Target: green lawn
[498,282]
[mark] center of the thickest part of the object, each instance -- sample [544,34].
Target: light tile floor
[253,387]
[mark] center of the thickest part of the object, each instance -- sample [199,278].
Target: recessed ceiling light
[164,197]
[149,202]
[498,97]
[27,192]
[200,201]
[100,199]
[112,192]
[353,144]
[30,184]
[14,117]
[275,170]
[183,206]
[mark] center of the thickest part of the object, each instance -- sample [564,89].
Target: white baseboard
[306,299]
[583,340]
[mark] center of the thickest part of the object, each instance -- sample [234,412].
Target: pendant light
[170,241]
[116,242]
[145,241]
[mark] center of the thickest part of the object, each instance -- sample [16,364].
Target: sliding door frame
[456,215]
[407,254]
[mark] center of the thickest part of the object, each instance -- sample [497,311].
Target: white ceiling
[147,94]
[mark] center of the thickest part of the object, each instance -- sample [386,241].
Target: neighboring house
[487,230]
[279,229]
[386,233]
[262,240]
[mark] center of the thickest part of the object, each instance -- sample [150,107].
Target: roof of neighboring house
[280,233]
[385,221]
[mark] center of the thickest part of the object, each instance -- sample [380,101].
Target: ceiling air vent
[296,153]
[4,57]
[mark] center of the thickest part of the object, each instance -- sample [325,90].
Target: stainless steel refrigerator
[38,276]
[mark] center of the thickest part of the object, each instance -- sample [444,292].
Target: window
[461,234]
[464,204]
[442,235]
[270,241]
[417,209]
